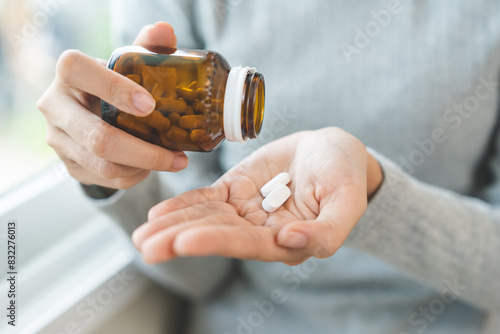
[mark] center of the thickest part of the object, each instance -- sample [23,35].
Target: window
[32,35]
[66,251]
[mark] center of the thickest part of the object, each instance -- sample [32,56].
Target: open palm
[328,169]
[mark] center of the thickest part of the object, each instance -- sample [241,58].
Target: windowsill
[74,266]
[60,278]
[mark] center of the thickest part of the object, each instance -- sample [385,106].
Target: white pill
[276,198]
[281,178]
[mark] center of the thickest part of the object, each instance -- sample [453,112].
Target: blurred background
[32,36]
[69,255]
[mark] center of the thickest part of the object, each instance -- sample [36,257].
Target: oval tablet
[281,178]
[276,198]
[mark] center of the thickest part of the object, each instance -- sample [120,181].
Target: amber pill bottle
[200,99]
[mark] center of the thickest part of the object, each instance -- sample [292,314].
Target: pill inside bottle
[200,99]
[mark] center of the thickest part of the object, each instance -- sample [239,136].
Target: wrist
[374,176]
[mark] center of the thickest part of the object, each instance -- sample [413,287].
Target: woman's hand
[332,176]
[93,151]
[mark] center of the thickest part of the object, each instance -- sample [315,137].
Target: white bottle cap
[233,98]
[276,198]
[281,178]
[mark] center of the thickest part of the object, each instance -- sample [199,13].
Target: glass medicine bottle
[200,99]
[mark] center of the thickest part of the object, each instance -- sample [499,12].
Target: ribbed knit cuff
[385,201]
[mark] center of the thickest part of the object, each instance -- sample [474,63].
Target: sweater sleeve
[440,238]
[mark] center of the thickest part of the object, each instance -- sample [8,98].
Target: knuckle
[72,168]
[71,164]
[156,160]
[54,139]
[66,64]
[100,140]
[63,123]
[50,140]
[108,170]
[41,104]
[72,172]
[124,182]
[112,92]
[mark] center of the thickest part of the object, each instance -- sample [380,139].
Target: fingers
[94,151]
[75,153]
[191,233]
[160,34]
[89,169]
[242,242]
[224,235]
[159,246]
[217,192]
[179,216]
[103,140]
[323,237]
[77,70]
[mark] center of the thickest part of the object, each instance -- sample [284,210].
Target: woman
[415,82]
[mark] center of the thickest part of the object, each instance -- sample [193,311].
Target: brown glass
[188,87]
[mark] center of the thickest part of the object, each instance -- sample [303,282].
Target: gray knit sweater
[417,82]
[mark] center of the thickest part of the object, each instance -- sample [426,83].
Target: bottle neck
[243,104]
[252,107]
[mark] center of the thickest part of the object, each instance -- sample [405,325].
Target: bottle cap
[233,98]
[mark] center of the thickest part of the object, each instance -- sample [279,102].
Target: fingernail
[294,240]
[143,102]
[180,162]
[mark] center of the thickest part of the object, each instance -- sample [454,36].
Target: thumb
[158,37]
[318,238]
[323,236]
